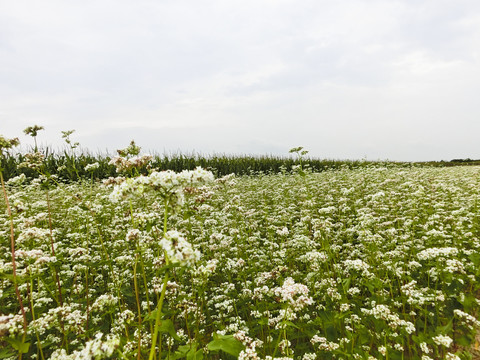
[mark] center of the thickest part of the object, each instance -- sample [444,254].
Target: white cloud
[387,79]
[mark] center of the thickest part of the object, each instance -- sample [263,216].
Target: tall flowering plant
[169,187]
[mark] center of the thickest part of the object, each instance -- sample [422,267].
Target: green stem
[39,344]
[53,249]
[278,343]
[14,266]
[157,317]
[284,333]
[114,278]
[165,217]
[139,310]
[86,296]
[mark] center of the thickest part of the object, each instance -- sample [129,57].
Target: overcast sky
[346,79]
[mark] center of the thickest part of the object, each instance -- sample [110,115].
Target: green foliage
[19,344]
[225,343]
[299,258]
[360,250]
[65,165]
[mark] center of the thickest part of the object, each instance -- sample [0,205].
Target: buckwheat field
[377,262]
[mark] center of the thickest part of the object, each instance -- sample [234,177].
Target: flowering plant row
[371,263]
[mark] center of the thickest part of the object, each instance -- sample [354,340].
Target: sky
[345,79]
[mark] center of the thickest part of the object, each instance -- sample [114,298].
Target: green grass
[63,164]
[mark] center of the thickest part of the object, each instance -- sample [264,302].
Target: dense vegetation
[63,164]
[374,262]
[70,167]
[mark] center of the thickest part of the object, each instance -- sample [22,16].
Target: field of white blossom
[370,263]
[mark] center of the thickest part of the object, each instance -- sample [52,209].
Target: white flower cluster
[92,167]
[178,249]
[357,265]
[124,164]
[103,302]
[424,348]
[433,253]
[250,351]
[95,349]
[32,233]
[283,232]
[11,325]
[35,255]
[415,295]
[33,260]
[64,318]
[288,293]
[382,350]
[383,312]
[323,344]
[314,259]
[167,183]
[207,269]
[227,180]
[17,180]
[443,340]
[170,180]
[33,161]
[450,356]
[283,315]
[453,266]
[470,320]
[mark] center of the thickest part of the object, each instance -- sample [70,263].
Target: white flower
[433,253]
[323,344]
[289,291]
[95,349]
[167,184]
[467,318]
[382,349]
[178,249]
[17,180]
[92,167]
[443,340]
[450,356]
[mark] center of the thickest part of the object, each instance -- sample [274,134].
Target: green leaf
[5,353]
[394,355]
[420,338]
[181,352]
[166,326]
[153,315]
[289,323]
[6,276]
[195,355]
[19,345]
[326,317]
[475,258]
[364,337]
[447,328]
[188,351]
[262,321]
[465,340]
[469,302]
[225,343]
